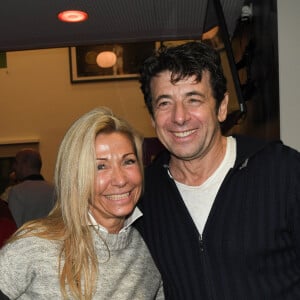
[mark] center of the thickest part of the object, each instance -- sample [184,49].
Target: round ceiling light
[72,16]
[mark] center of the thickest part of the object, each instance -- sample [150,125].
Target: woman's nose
[118,177]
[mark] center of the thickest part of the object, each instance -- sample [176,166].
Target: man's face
[185,116]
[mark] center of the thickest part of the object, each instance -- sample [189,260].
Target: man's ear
[222,111]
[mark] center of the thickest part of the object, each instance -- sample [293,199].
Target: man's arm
[3,297]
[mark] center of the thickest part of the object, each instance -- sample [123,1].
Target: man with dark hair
[33,197]
[221,215]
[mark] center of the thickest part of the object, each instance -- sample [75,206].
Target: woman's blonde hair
[74,182]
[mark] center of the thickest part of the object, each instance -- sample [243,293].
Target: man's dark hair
[183,61]
[31,158]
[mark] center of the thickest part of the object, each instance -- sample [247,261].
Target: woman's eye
[101,167]
[130,161]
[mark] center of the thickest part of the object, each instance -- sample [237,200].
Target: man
[221,214]
[33,197]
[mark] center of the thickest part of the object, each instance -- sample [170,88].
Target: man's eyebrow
[196,93]
[188,94]
[163,96]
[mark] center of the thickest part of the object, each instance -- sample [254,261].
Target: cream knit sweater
[29,269]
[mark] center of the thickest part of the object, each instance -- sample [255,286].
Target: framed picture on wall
[108,61]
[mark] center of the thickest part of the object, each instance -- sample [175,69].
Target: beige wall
[39,102]
[289,70]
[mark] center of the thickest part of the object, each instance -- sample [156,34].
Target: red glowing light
[72,16]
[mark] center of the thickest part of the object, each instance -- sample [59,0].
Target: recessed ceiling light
[72,16]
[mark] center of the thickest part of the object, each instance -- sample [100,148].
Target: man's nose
[180,113]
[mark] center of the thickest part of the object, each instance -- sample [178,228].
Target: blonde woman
[87,247]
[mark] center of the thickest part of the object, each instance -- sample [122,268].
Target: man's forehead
[177,76]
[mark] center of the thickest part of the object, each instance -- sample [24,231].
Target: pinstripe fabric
[250,248]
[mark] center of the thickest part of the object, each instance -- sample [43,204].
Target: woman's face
[118,180]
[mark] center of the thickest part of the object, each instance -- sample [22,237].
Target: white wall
[289,70]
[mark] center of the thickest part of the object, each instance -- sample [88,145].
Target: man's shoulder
[33,184]
[31,190]
[158,163]
[248,147]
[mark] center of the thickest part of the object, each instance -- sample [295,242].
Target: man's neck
[33,177]
[194,172]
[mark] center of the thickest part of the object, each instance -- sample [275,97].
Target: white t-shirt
[199,199]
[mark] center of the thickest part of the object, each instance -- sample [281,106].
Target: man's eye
[194,101]
[163,104]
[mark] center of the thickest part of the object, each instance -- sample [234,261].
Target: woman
[86,248]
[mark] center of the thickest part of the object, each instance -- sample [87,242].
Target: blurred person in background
[33,196]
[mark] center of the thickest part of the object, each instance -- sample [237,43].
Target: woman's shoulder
[27,246]
[27,259]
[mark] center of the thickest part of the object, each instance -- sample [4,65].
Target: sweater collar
[128,221]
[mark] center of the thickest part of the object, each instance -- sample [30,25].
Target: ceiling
[33,24]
